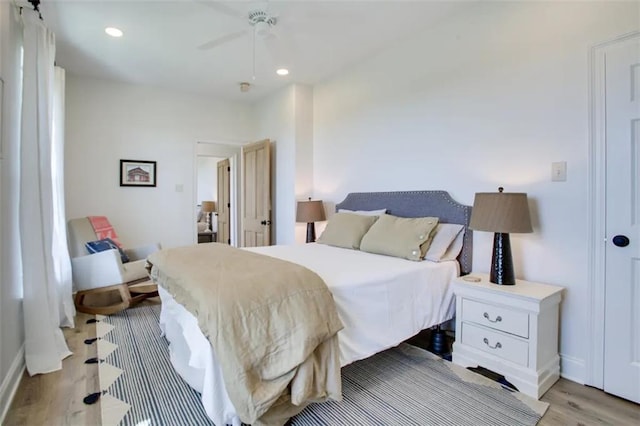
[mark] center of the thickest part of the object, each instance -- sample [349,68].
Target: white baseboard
[573,369]
[10,383]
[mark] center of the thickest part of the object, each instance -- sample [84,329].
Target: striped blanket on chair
[103,228]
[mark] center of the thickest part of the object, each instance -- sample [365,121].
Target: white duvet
[381,301]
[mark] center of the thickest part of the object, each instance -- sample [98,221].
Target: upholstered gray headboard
[418,204]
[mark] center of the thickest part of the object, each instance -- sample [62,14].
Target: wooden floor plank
[575,404]
[56,398]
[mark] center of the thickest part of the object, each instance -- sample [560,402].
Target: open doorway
[208,155]
[207,202]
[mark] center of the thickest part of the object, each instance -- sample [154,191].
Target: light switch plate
[559,171]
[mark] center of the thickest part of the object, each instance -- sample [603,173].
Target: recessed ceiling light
[113,32]
[282,71]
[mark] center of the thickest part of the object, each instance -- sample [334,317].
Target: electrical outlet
[559,171]
[179,187]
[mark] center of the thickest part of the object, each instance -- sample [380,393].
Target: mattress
[381,301]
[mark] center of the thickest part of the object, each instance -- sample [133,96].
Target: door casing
[594,369]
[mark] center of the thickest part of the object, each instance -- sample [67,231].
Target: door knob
[621,240]
[265,222]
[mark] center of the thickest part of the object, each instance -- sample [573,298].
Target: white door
[256,194]
[622,264]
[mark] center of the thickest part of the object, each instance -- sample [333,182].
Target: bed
[380,300]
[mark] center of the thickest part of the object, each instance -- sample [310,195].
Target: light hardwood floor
[56,398]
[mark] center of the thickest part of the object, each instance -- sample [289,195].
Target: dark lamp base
[311,232]
[501,261]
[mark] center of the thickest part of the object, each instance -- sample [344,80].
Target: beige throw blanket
[272,324]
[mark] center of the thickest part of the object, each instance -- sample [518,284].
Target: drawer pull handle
[497,346]
[498,318]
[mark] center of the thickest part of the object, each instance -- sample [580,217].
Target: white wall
[11,324]
[108,121]
[490,98]
[286,118]
[304,151]
[274,120]
[207,181]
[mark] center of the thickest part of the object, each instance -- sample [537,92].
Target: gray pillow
[408,238]
[346,230]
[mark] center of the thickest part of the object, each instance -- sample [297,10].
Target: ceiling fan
[260,24]
[260,21]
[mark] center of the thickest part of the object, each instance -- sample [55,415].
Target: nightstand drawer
[498,317]
[496,343]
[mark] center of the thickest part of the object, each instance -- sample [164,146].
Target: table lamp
[502,213]
[208,207]
[310,212]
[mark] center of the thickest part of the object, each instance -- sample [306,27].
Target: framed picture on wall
[137,173]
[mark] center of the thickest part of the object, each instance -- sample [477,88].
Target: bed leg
[439,341]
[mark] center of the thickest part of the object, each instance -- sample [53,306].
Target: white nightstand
[511,330]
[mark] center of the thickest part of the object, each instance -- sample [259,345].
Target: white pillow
[364,212]
[447,243]
[454,249]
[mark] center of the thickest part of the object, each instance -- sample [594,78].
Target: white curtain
[59,249]
[45,297]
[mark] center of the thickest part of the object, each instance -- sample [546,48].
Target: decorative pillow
[454,249]
[364,212]
[104,245]
[346,230]
[404,237]
[445,236]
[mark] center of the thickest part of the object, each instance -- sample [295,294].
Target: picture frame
[137,173]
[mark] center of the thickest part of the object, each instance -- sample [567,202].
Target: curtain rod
[35,4]
[36,7]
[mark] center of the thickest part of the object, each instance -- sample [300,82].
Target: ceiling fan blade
[223,8]
[221,40]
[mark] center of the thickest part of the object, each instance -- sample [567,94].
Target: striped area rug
[401,386]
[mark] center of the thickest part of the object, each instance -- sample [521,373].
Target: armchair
[104,271]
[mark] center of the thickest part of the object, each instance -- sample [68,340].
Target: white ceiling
[313,39]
